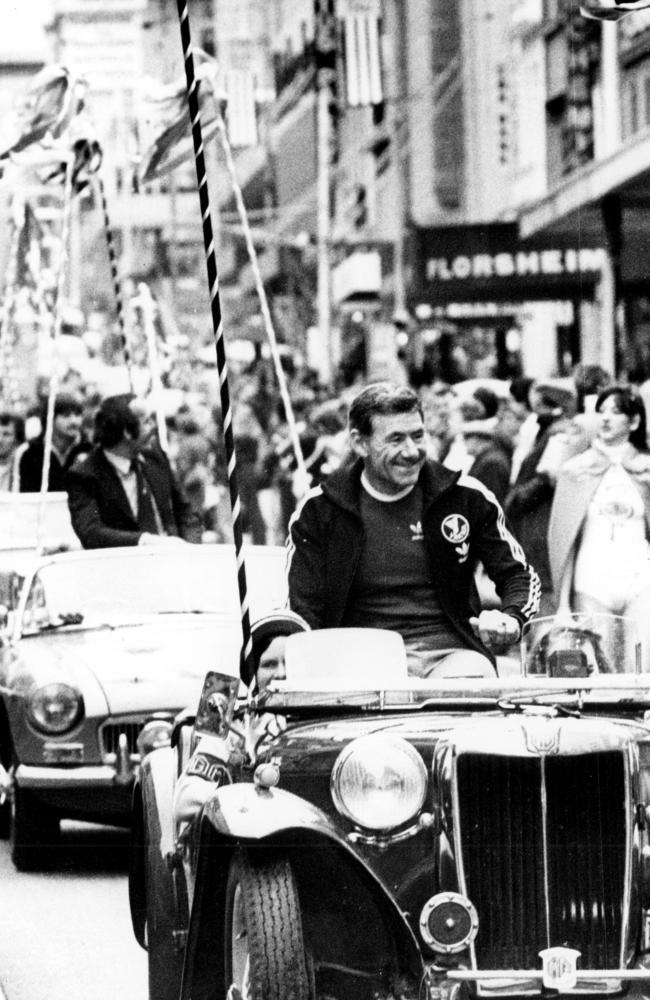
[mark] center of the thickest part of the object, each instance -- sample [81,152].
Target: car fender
[152,820]
[273,819]
[245,812]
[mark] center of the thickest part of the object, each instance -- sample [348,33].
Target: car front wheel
[34,831]
[265,949]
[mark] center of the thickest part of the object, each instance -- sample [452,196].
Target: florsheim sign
[491,263]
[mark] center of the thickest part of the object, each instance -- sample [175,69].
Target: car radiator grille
[109,735]
[544,877]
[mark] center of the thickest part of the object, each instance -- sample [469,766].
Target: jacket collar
[343,487]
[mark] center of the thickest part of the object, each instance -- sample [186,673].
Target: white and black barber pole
[247,667]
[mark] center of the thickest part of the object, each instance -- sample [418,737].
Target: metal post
[325,46]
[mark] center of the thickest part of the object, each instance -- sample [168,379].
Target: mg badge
[559,968]
[542,736]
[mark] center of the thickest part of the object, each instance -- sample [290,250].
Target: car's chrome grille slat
[110,732]
[501,835]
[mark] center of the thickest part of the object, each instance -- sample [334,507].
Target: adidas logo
[417,534]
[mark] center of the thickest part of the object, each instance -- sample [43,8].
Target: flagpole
[303,475]
[325,48]
[247,666]
[117,286]
[54,337]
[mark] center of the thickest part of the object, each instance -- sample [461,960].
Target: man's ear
[358,444]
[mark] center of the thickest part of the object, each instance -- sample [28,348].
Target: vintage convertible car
[98,643]
[379,836]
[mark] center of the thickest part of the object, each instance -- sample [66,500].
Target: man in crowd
[122,494]
[12,435]
[67,445]
[393,541]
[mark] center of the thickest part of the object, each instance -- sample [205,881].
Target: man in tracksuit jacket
[393,540]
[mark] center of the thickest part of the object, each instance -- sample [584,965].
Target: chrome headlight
[54,708]
[379,782]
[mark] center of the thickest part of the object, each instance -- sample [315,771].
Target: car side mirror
[216,704]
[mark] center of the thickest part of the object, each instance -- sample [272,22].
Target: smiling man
[393,542]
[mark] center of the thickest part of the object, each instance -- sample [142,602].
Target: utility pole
[325,52]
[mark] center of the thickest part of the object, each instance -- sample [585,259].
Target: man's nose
[411,447]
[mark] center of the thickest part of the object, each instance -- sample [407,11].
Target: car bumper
[90,793]
[97,776]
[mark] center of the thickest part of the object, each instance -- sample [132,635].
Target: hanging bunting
[362,52]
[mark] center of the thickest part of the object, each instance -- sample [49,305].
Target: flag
[52,100]
[164,124]
[241,117]
[362,55]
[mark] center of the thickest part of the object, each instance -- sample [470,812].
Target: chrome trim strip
[628,762]
[83,776]
[458,850]
[544,805]
[596,975]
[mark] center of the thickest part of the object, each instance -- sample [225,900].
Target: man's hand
[160,540]
[496,630]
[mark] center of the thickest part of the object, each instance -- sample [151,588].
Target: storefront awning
[574,207]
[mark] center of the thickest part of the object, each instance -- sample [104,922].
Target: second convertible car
[100,642]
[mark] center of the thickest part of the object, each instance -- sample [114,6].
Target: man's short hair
[18,424]
[67,403]
[381,399]
[113,417]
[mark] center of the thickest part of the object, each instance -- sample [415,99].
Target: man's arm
[306,561]
[86,516]
[505,562]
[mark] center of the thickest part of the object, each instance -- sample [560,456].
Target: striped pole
[264,305]
[54,339]
[117,286]
[247,666]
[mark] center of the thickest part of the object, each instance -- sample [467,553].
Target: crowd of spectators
[513,436]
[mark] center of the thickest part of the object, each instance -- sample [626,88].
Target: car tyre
[265,950]
[34,831]
[164,956]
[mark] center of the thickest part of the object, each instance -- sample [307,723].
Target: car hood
[318,743]
[159,665]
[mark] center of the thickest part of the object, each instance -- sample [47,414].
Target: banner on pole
[362,52]
[165,133]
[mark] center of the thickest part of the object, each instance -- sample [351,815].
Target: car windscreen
[134,587]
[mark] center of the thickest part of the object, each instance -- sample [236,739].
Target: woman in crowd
[600,519]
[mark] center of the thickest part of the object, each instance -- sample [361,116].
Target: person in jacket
[600,519]
[122,494]
[67,445]
[528,503]
[392,541]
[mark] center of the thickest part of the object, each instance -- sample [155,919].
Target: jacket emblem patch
[416,531]
[463,551]
[455,529]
